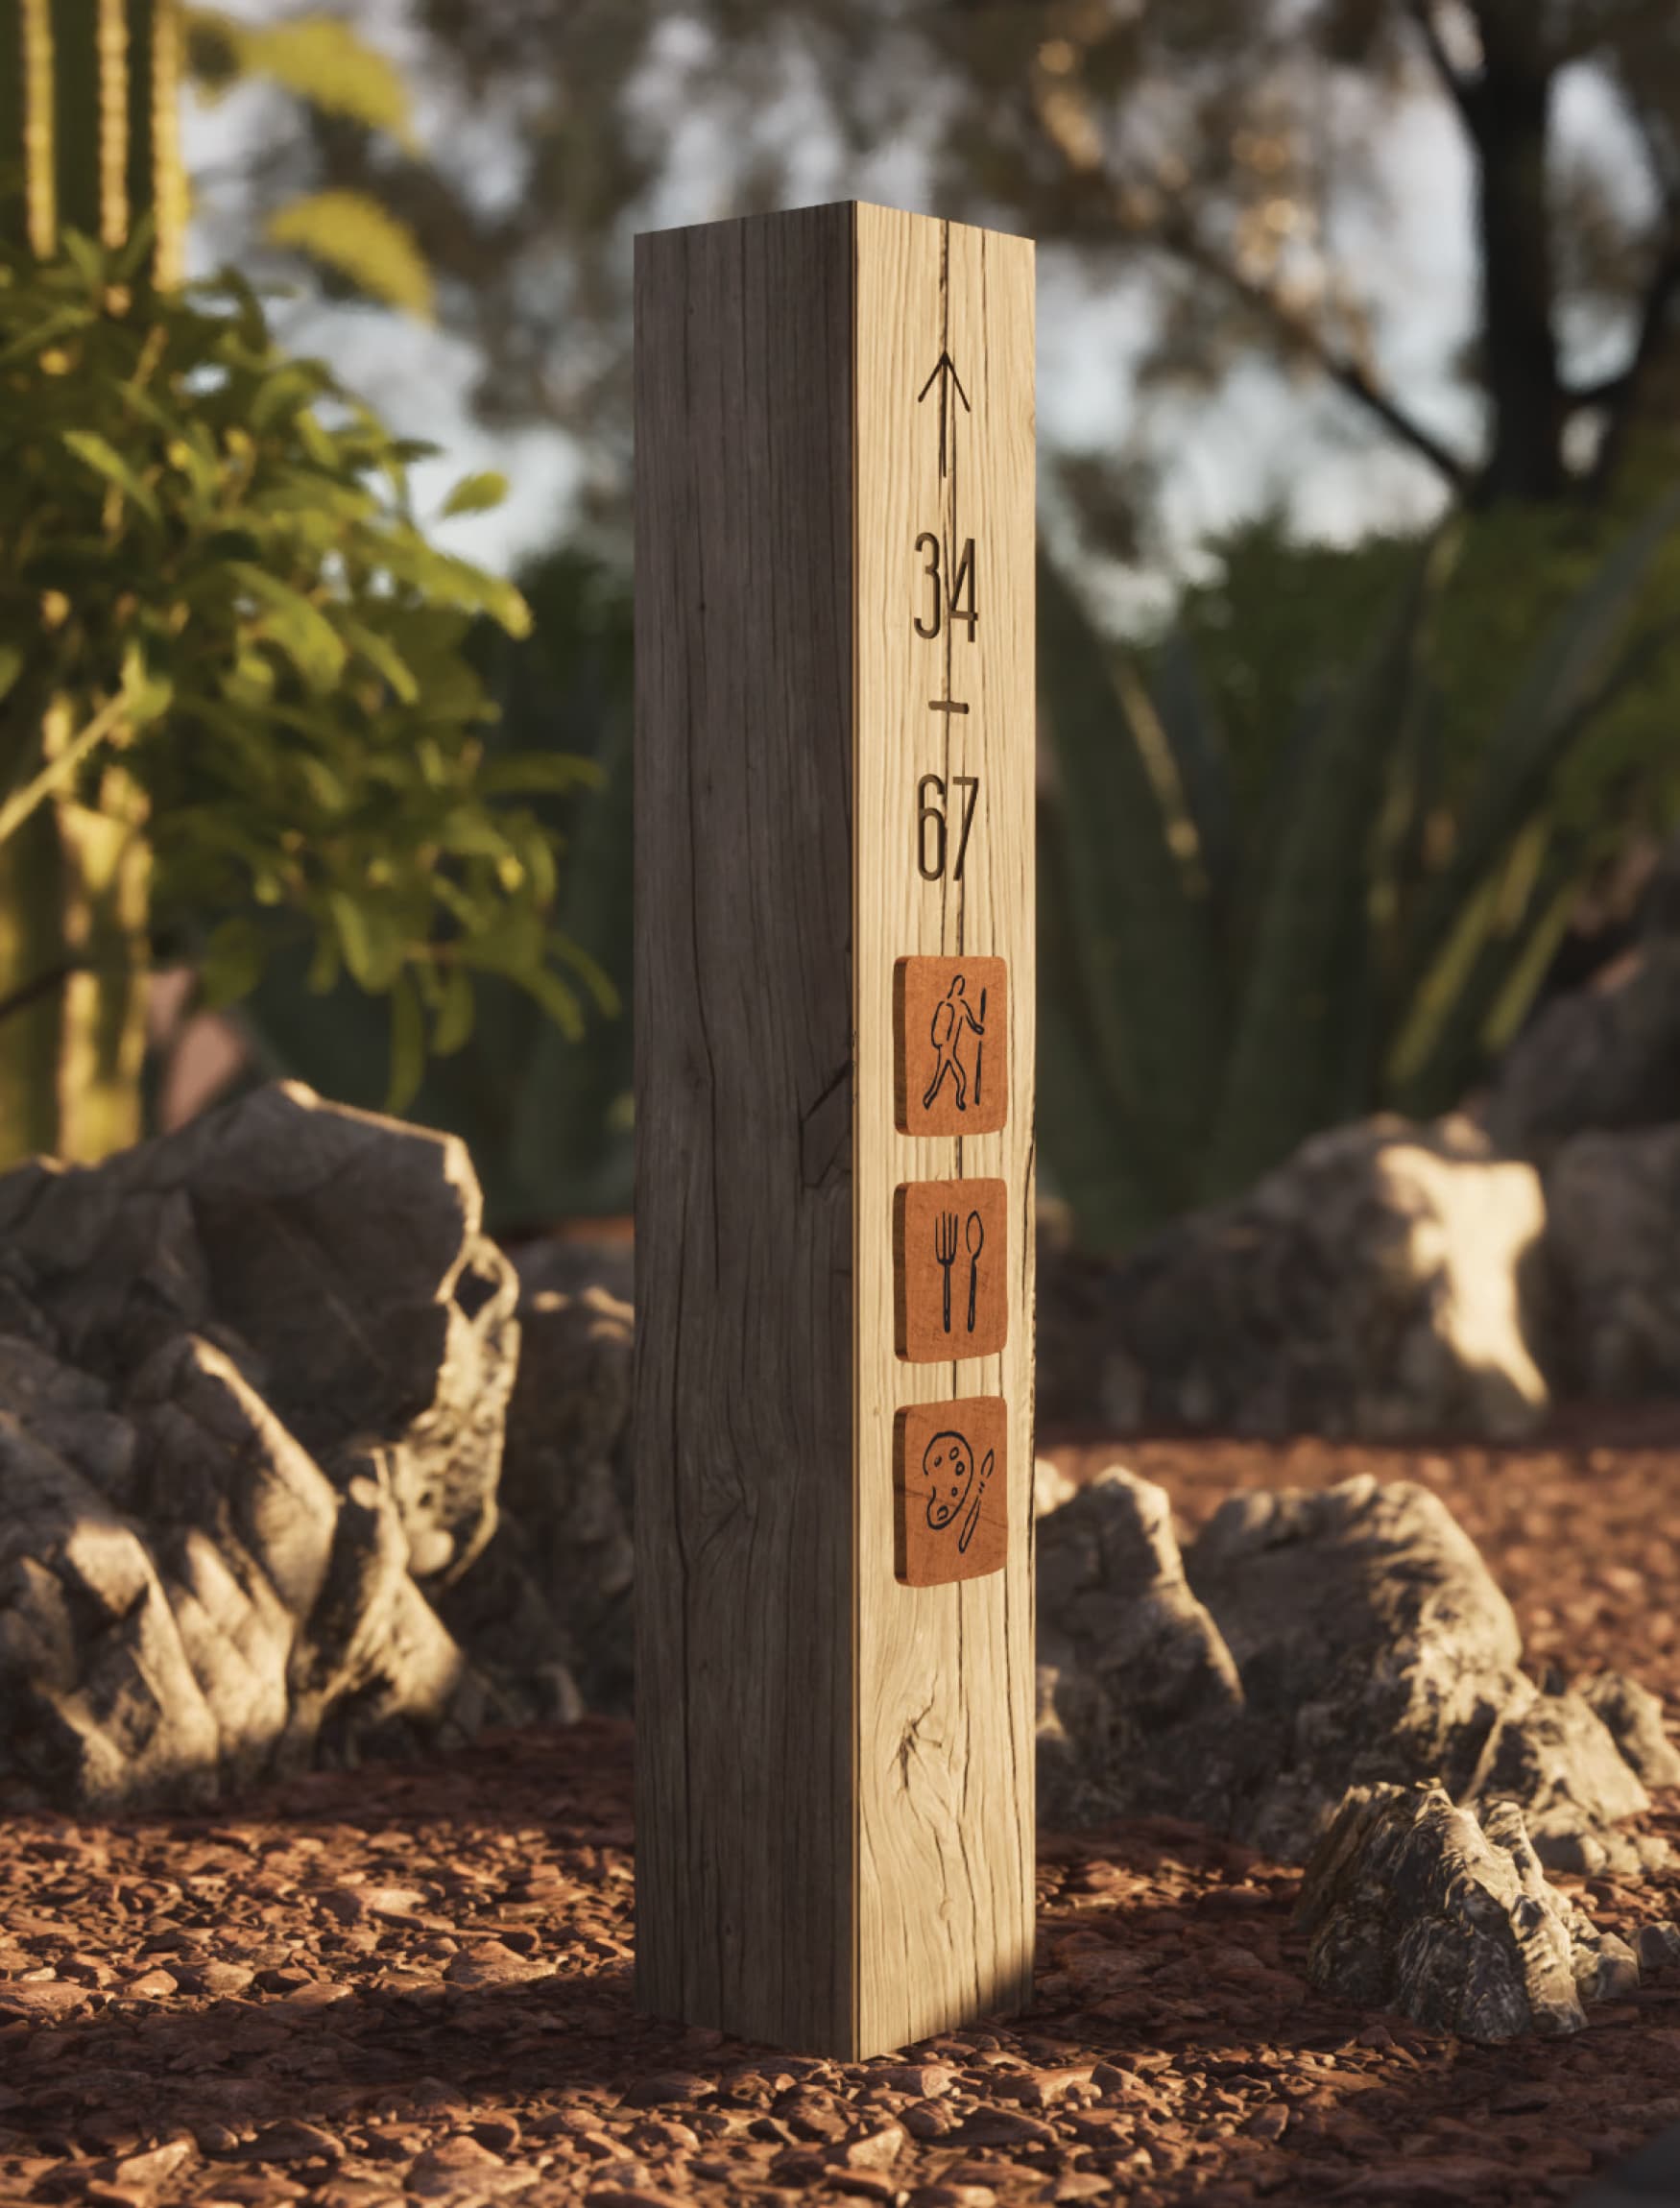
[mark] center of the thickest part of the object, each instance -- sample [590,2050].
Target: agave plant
[1217,983]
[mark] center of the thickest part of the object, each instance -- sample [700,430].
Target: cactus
[1213,989]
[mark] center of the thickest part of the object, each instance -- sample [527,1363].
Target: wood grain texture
[834,1770]
[944,1675]
[742,1402]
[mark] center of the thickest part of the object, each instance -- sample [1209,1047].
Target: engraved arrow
[945,374]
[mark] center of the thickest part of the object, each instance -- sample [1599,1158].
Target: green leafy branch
[209,558]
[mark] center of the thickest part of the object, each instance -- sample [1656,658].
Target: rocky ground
[413,1982]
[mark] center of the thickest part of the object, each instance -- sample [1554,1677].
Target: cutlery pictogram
[945,1250]
[976,1235]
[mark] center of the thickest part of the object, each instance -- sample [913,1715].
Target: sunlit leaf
[353,234]
[350,922]
[319,57]
[476,493]
[301,630]
[381,653]
[324,786]
[83,257]
[103,457]
[147,696]
[454,1022]
[408,1044]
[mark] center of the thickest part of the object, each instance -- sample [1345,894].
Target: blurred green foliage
[545,1115]
[1310,852]
[211,577]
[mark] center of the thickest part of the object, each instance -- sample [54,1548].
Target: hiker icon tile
[951,1055]
[950,1264]
[950,1491]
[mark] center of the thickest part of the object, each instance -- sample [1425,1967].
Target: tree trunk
[1507,110]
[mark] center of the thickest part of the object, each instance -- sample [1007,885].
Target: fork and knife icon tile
[949,1237]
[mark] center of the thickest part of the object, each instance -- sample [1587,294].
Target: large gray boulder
[552,1593]
[335,1256]
[1374,1284]
[1604,1058]
[1308,1642]
[253,1380]
[1413,1905]
[1130,1666]
[1613,1248]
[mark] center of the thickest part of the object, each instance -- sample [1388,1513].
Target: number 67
[931,816]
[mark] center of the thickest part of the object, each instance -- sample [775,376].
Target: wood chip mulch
[368,1989]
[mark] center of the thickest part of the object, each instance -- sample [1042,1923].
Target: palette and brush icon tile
[950,1515]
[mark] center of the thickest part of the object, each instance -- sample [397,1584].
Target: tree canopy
[1223,144]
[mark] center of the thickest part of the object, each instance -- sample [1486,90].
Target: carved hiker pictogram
[952,1014]
[950,1062]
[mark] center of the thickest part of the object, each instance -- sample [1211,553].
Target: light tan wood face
[943,784]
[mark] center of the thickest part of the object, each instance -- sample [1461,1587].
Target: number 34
[946,599]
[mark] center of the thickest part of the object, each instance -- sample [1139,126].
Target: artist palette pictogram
[951,1269]
[950,1490]
[950,1053]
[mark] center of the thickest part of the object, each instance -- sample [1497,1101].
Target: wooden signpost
[834,1005]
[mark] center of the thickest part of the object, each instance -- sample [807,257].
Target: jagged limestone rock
[549,1603]
[252,1384]
[101,1701]
[336,1256]
[1310,1641]
[1659,1946]
[1413,1905]
[1138,1692]
[1554,1754]
[1612,1254]
[1375,1285]
[1633,1717]
[1603,1058]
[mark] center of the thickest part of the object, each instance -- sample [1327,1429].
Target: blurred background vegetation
[1350,752]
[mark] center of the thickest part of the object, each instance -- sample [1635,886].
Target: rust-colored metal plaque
[950,1045]
[950,1490]
[950,1267]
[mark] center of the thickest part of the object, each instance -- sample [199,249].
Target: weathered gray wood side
[743,1398]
